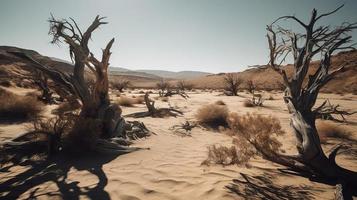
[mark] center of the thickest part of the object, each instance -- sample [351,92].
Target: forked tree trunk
[300,97]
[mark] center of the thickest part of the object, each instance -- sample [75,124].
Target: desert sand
[171,168]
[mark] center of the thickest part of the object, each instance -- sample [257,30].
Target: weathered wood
[154,112]
[300,98]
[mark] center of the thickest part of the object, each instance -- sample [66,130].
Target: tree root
[111,147]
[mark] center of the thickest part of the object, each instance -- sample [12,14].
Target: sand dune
[172,168]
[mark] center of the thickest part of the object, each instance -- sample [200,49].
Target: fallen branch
[154,112]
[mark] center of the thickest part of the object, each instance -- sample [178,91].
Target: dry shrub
[164,99]
[328,129]
[271,97]
[220,102]
[83,135]
[221,155]
[126,101]
[139,99]
[212,115]
[248,103]
[15,107]
[257,129]
[252,134]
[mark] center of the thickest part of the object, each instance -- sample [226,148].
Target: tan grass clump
[140,99]
[16,107]
[327,129]
[220,102]
[271,98]
[212,115]
[248,103]
[126,101]
[221,155]
[164,99]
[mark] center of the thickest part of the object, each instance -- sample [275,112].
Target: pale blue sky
[205,35]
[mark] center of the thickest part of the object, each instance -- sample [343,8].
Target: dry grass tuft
[221,155]
[126,101]
[212,115]
[220,102]
[164,99]
[327,129]
[271,98]
[248,103]
[15,107]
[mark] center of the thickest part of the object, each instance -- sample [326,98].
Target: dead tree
[154,112]
[257,99]
[171,92]
[232,83]
[41,81]
[328,110]
[95,101]
[120,85]
[300,98]
[183,85]
[166,90]
[163,87]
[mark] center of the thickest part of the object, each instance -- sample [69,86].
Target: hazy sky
[205,35]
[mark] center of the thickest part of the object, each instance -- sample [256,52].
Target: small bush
[221,155]
[271,98]
[129,102]
[328,129]
[212,115]
[139,99]
[164,99]
[126,101]
[15,107]
[220,102]
[248,103]
[254,134]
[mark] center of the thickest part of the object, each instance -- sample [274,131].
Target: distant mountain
[267,78]
[126,72]
[175,75]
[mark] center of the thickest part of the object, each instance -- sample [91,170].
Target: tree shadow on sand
[263,187]
[57,170]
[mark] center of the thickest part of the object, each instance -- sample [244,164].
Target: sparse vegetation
[183,85]
[163,87]
[232,83]
[248,103]
[220,102]
[15,107]
[252,134]
[120,84]
[257,99]
[155,112]
[212,115]
[222,155]
[126,101]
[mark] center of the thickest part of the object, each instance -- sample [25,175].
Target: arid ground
[171,168]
